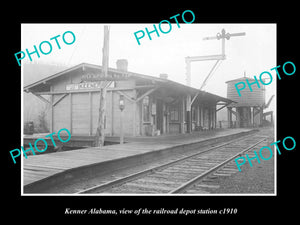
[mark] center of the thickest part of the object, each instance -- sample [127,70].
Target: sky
[250,54]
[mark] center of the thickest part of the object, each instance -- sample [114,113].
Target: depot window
[193,114]
[146,110]
[174,114]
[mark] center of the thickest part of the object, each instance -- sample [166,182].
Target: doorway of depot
[159,117]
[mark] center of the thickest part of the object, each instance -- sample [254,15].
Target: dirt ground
[258,179]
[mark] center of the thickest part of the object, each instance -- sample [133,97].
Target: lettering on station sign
[101,77]
[93,80]
[82,86]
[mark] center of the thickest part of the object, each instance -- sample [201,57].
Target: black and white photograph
[167,113]
[144,109]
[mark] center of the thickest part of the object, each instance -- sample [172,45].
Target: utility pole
[100,133]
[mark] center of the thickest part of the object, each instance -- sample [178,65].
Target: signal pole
[219,57]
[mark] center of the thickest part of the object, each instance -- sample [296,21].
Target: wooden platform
[39,167]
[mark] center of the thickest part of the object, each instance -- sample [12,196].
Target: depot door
[159,116]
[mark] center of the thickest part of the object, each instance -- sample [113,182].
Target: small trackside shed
[153,105]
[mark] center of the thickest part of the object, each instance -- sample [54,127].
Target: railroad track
[185,174]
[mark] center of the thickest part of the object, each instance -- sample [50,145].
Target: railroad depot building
[153,105]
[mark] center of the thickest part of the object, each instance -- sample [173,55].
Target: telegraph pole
[100,134]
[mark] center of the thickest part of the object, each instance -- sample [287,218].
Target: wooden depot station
[153,105]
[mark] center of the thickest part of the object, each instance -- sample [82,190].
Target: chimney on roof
[122,64]
[163,76]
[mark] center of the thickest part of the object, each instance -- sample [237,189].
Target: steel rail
[120,181]
[197,179]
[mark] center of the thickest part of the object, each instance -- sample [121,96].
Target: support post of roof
[134,116]
[229,117]
[189,112]
[215,116]
[182,116]
[71,113]
[51,117]
[91,114]
[198,115]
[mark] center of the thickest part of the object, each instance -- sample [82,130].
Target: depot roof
[43,85]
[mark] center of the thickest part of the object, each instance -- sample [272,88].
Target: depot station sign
[83,86]
[93,80]
[102,77]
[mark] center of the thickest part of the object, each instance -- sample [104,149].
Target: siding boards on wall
[80,113]
[61,113]
[108,113]
[95,111]
[113,114]
[128,114]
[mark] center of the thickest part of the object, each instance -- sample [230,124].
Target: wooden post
[201,117]
[134,116]
[189,114]
[71,113]
[167,119]
[198,115]
[249,117]
[209,118]
[91,114]
[214,118]
[112,114]
[164,127]
[121,128]
[261,114]
[253,116]
[229,117]
[52,113]
[182,116]
[100,134]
